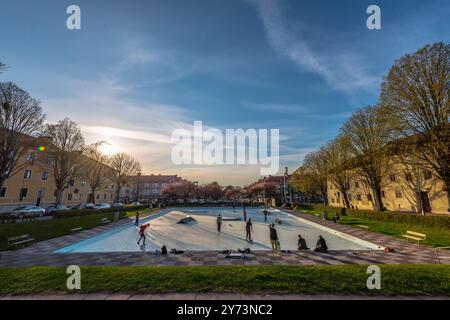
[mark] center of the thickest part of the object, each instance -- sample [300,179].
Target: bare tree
[311,177]
[96,169]
[65,153]
[369,136]
[123,166]
[416,96]
[21,120]
[338,155]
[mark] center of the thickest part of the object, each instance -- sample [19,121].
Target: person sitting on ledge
[336,218]
[302,243]
[321,245]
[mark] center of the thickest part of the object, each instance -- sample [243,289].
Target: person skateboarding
[142,229]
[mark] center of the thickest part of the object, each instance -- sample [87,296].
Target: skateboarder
[142,229]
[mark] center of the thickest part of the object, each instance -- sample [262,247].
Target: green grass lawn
[395,280]
[436,237]
[48,229]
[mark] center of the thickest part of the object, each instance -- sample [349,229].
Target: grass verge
[395,280]
[436,237]
[47,229]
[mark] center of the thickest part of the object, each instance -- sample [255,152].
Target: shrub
[85,212]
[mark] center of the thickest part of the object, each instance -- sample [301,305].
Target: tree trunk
[92,195]
[378,199]
[118,192]
[346,200]
[59,194]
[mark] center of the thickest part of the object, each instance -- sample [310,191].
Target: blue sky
[140,69]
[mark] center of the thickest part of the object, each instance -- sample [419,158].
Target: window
[3,192]
[369,197]
[383,194]
[104,196]
[392,177]
[82,183]
[398,193]
[23,193]
[358,197]
[69,197]
[331,187]
[332,200]
[427,174]
[155,191]
[356,184]
[97,197]
[71,183]
[27,174]
[45,176]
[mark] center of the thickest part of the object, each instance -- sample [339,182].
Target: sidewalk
[212,296]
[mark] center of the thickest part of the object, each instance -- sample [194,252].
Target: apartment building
[147,188]
[403,190]
[34,184]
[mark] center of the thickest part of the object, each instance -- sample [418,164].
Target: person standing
[142,229]
[136,222]
[219,223]
[249,229]
[265,215]
[274,238]
[245,214]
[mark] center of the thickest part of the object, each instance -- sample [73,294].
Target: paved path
[212,296]
[41,254]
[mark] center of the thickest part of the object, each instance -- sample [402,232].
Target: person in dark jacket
[274,238]
[142,229]
[136,222]
[321,245]
[219,223]
[302,243]
[265,214]
[249,229]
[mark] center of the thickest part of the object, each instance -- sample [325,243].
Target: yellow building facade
[34,184]
[406,188]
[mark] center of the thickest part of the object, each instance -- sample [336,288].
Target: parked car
[59,207]
[102,206]
[28,211]
[83,206]
[117,205]
[135,204]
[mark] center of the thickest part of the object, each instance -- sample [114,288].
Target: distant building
[284,193]
[34,185]
[146,188]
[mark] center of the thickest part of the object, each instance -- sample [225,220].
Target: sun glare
[109,149]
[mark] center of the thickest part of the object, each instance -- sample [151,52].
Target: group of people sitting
[321,244]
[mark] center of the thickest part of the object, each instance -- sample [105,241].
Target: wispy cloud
[340,71]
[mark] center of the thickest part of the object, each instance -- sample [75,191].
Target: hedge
[85,212]
[414,219]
